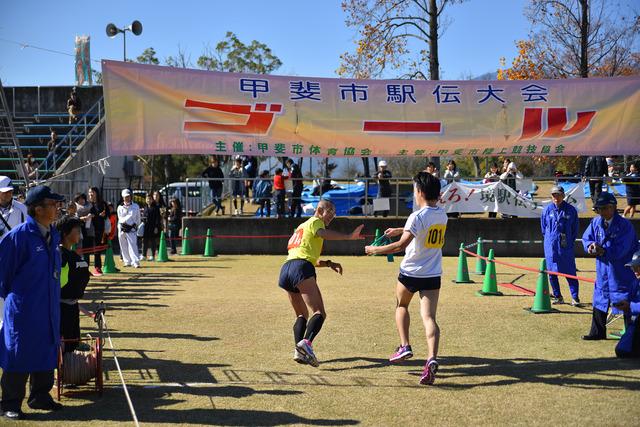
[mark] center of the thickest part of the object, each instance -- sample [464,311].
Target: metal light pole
[135,28]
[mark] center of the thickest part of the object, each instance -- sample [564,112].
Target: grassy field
[208,341]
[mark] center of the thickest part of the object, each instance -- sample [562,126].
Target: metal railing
[199,197]
[401,191]
[68,144]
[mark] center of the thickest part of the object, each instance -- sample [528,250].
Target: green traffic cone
[618,335]
[542,299]
[162,251]
[186,244]
[490,283]
[463,270]
[208,246]
[109,266]
[381,240]
[481,264]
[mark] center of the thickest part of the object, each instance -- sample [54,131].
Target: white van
[199,195]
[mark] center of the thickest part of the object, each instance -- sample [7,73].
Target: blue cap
[39,193]
[635,260]
[605,199]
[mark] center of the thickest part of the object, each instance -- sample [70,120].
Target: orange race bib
[435,236]
[295,239]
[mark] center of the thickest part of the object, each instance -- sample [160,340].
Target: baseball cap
[604,199]
[39,193]
[125,192]
[5,184]
[382,163]
[556,189]
[635,260]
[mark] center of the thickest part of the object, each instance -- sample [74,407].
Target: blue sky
[308,36]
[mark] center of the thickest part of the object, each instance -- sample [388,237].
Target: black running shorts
[293,272]
[416,284]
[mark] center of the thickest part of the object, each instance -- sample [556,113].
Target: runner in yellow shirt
[298,276]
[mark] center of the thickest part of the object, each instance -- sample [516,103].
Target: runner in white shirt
[422,239]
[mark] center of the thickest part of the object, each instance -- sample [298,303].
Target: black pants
[280,195]
[149,242]
[70,325]
[265,203]
[296,204]
[595,186]
[90,242]
[174,234]
[599,323]
[13,388]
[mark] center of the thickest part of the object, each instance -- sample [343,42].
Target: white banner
[499,197]
[165,110]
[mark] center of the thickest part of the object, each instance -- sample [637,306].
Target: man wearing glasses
[30,285]
[612,239]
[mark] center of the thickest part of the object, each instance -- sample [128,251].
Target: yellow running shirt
[305,244]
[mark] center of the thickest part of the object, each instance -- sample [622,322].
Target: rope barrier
[239,236]
[115,359]
[534,270]
[91,250]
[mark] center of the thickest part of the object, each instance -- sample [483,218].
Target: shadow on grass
[198,267]
[160,335]
[579,373]
[152,407]
[135,292]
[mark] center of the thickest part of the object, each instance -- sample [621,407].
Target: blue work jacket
[614,281]
[30,285]
[554,222]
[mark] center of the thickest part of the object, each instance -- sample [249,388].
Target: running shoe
[575,302]
[403,352]
[429,373]
[557,300]
[304,347]
[136,265]
[300,358]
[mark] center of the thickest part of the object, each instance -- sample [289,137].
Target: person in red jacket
[278,186]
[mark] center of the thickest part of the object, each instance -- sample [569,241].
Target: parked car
[199,195]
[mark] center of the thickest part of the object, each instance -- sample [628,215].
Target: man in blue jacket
[559,224]
[612,239]
[30,284]
[629,345]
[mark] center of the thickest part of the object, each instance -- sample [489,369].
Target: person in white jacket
[128,222]
[511,175]
[12,214]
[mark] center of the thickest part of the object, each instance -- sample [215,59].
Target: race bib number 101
[435,236]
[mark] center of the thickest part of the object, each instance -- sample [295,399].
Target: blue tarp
[616,188]
[344,198]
